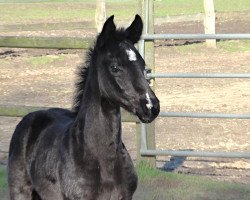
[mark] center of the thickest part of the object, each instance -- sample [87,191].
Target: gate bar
[204,115]
[195,75]
[150,152]
[194,36]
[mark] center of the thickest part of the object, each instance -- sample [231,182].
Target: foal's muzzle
[148,110]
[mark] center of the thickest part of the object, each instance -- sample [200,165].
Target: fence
[145,150]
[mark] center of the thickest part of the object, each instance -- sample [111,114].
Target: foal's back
[40,126]
[35,146]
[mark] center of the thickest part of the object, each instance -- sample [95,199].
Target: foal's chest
[95,183]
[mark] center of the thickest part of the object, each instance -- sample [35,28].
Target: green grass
[232,5]
[184,7]
[3,183]
[178,7]
[42,12]
[43,60]
[224,46]
[3,177]
[60,12]
[68,10]
[165,185]
[59,1]
[234,45]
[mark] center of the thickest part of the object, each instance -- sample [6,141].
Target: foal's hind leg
[19,185]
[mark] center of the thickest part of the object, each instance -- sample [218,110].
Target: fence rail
[204,115]
[83,43]
[197,75]
[45,42]
[47,26]
[235,36]
[20,111]
[185,153]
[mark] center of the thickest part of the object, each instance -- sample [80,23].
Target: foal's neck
[97,130]
[98,119]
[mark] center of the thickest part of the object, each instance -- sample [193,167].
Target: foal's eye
[115,69]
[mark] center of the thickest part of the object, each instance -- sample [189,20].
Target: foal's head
[120,70]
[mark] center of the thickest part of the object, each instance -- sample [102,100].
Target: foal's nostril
[150,105]
[156,108]
[147,114]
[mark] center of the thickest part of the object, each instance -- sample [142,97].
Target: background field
[41,77]
[51,11]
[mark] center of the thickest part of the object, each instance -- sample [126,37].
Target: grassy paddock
[13,13]
[3,177]
[184,7]
[44,61]
[3,183]
[234,45]
[27,11]
[161,185]
[224,46]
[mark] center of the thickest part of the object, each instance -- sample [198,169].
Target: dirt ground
[24,81]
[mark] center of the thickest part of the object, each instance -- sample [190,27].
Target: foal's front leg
[20,190]
[19,185]
[107,186]
[25,194]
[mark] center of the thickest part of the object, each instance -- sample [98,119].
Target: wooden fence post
[209,22]
[100,14]
[149,58]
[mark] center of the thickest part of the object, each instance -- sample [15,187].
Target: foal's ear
[107,30]
[134,31]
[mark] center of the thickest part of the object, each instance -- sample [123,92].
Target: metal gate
[144,150]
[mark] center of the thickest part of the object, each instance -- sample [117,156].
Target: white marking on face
[131,55]
[149,105]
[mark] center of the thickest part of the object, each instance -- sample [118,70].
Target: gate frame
[145,145]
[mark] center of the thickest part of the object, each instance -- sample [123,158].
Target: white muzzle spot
[131,55]
[149,105]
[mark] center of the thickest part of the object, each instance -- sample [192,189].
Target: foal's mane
[82,72]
